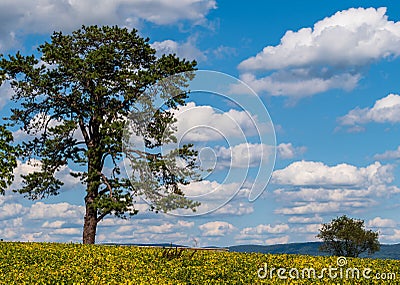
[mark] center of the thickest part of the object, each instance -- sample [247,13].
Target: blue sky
[327,72]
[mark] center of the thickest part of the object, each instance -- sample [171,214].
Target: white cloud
[365,35]
[311,228]
[385,110]
[390,154]
[187,50]
[131,237]
[227,198]
[288,151]
[302,173]
[315,188]
[66,231]
[146,228]
[312,60]
[379,222]
[11,210]
[305,220]
[326,194]
[165,227]
[36,128]
[299,83]
[243,155]
[225,51]
[265,229]
[394,236]
[53,225]
[311,208]
[41,222]
[41,210]
[218,191]
[6,92]
[259,234]
[277,240]
[234,208]
[35,237]
[24,17]
[216,229]
[24,168]
[205,123]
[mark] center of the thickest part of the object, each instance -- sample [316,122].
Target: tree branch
[83,130]
[99,218]
[105,180]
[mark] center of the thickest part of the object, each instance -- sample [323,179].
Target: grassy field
[54,263]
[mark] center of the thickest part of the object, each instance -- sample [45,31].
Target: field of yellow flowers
[55,263]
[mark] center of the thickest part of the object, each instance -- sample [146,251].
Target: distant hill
[147,244]
[388,251]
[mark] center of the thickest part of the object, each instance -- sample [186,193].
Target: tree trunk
[94,156]
[90,223]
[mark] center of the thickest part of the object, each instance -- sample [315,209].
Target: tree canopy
[75,99]
[348,237]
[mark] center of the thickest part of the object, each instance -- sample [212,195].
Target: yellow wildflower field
[57,263]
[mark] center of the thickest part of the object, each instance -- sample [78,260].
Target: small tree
[345,236]
[89,83]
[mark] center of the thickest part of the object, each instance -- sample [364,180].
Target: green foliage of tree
[8,160]
[87,85]
[348,237]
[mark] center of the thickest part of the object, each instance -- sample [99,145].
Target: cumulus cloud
[264,234]
[225,51]
[265,229]
[379,222]
[11,210]
[243,155]
[41,210]
[235,208]
[205,123]
[322,207]
[24,168]
[216,229]
[216,190]
[303,173]
[146,228]
[389,154]
[187,50]
[223,198]
[305,220]
[41,222]
[23,17]
[385,110]
[54,224]
[315,188]
[165,227]
[288,151]
[312,60]
[299,83]
[66,232]
[310,228]
[365,35]
[6,92]
[36,126]
[392,236]
[277,240]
